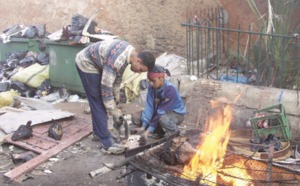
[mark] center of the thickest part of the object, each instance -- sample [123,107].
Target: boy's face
[157,82]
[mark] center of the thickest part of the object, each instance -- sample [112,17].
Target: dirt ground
[72,165]
[75,162]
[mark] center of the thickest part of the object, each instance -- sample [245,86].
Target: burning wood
[211,164]
[177,151]
[205,165]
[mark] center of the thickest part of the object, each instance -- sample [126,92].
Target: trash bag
[12,29]
[7,97]
[43,58]
[270,139]
[27,61]
[177,65]
[30,93]
[12,63]
[78,22]
[40,30]
[20,87]
[42,46]
[33,75]
[31,32]
[44,89]
[235,79]
[16,55]
[4,86]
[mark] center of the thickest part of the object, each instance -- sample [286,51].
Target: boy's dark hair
[147,59]
[160,69]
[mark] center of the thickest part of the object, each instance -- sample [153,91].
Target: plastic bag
[33,75]
[7,97]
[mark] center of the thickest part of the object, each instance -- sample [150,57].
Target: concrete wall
[246,98]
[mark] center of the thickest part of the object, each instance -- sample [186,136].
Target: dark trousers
[92,86]
[168,123]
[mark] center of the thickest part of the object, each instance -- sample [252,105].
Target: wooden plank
[43,128]
[16,173]
[35,144]
[11,121]
[40,141]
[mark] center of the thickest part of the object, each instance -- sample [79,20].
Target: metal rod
[198,50]
[192,50]
[259,61]
[205,46]
[223,23]
[201,46]
[241,31]
[272,60]
[227,55]
[269,164]
[217,45]
[212,33]
[238,56]
[208,43]
[282,62]
[187,49]
[248,51]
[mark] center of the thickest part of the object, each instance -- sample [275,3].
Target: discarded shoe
[114,149]
[22,157]
[55,131]
[23,132]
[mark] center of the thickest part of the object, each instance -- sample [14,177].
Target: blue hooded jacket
[159,102]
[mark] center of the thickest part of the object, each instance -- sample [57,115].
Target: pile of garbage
[24,73]
[80,30]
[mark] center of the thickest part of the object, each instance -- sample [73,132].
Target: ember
[208,161]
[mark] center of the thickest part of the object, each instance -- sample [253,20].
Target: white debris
[73,98]
[11,148]
[193,78]
[47,171]
[54,159]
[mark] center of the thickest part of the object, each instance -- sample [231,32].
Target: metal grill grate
[149,162]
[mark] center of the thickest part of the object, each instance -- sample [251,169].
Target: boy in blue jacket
[164,109]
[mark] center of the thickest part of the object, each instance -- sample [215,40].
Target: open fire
[207,164]
[210,162]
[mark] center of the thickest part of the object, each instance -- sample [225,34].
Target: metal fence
[215,50]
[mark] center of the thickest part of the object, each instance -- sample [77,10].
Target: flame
[208,160]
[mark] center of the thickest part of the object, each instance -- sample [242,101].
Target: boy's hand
[143,138]
[137,130]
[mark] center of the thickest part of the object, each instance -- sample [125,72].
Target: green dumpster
[17,44]
[62,69]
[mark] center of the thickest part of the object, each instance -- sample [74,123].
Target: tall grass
[279,63]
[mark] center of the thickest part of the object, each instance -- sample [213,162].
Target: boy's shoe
[114,149]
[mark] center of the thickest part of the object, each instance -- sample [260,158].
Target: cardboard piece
[10,121]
